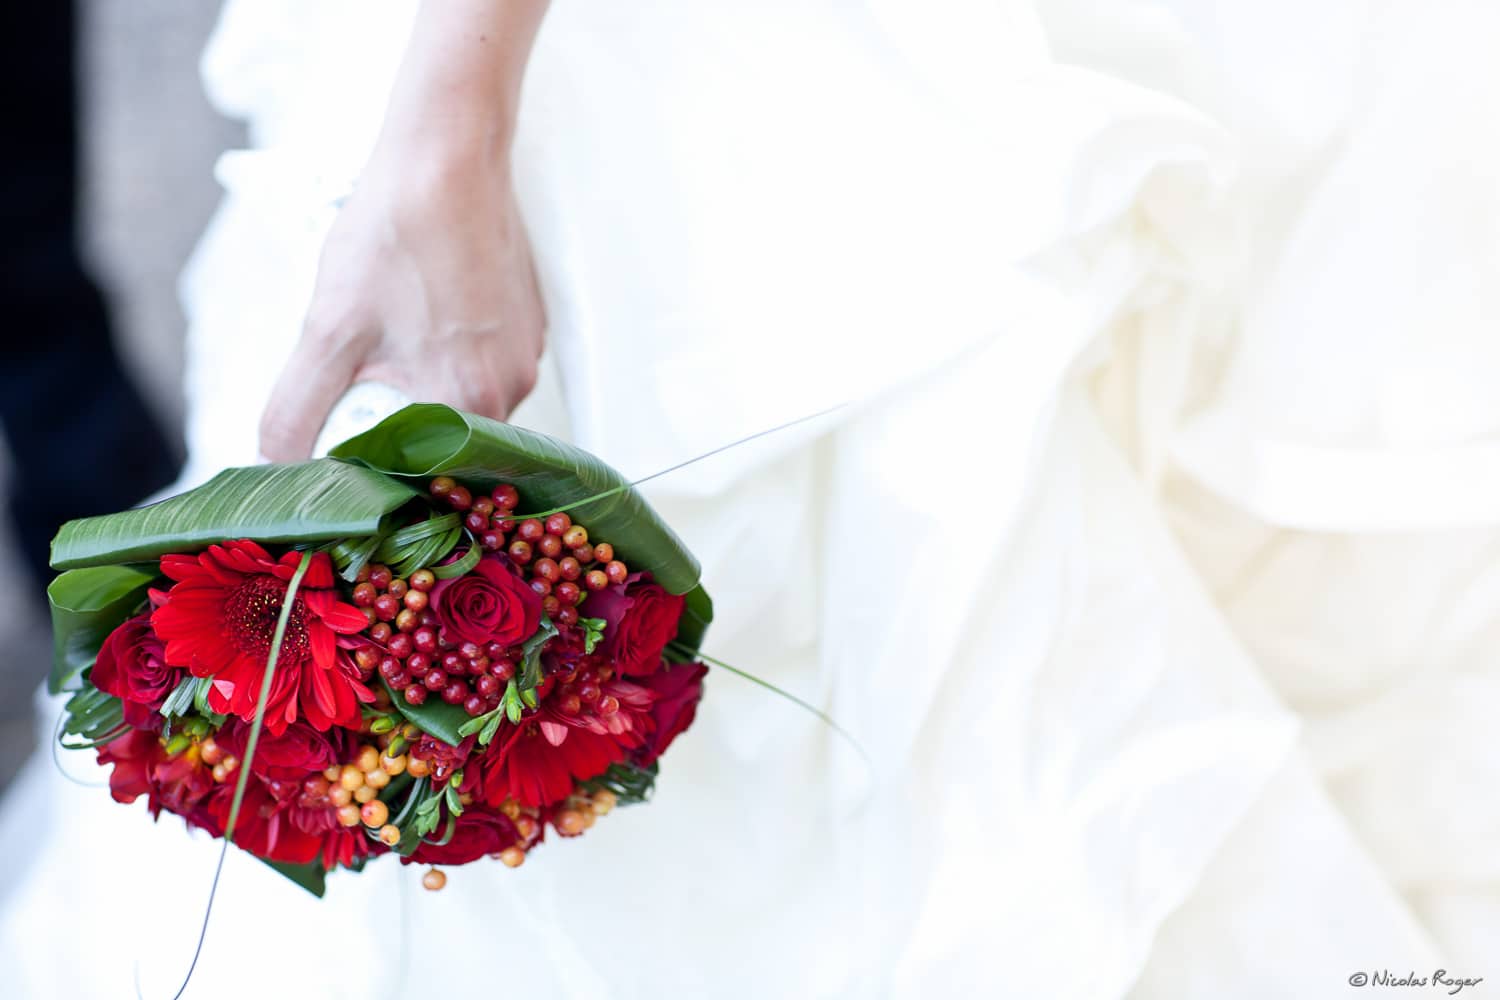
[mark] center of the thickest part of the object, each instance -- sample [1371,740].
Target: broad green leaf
[311,876]
[428,439]
[87,605]
[434,716]
[306,502]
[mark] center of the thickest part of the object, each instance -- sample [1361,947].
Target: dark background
[148,141]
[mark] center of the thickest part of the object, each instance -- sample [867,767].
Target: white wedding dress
[1153,557]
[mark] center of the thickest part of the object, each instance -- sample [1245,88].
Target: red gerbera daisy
[220,617]
[264,826]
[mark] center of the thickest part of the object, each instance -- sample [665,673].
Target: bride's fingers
[319,371]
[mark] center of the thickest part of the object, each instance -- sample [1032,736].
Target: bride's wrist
[452,151]
[454,103]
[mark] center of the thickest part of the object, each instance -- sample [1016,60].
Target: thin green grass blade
[265,692]
[823,716]
[244,771]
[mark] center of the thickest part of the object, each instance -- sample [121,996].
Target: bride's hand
[426,284]
[425,280]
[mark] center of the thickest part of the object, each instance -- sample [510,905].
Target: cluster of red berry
[409,647]
[556,555]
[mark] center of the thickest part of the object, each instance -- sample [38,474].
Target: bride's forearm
[459,84]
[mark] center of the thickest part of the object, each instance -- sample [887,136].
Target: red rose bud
[640,618]
[491,603]
[678,689]
[132,666]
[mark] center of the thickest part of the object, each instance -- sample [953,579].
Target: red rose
[678,688]
[475,834]
[132,665]
[641,618]
[491,603]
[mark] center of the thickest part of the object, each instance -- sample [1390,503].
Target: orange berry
[340,796]
[368,759]
[434,880]
[210,752]
[390,835]
[512,857]
[349,815]
[569,822]
[377,779]
[374,813]
[364,793]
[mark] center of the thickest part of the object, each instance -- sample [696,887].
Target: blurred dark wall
[147,142]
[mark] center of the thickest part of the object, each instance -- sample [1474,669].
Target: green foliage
[87,605]
[697,614]
[94,718]
[306,502]
[530,674]
[433,716]
[310,876]
[593,631]
[422,544]
[631,784]
[427,439]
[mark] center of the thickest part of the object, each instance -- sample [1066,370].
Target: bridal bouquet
[439,643]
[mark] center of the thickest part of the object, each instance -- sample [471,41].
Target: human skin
[425,281]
